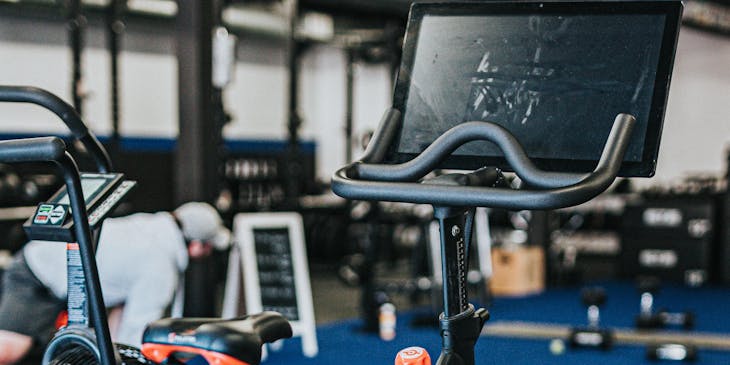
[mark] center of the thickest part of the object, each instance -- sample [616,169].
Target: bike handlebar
[41,97]
[32,149]
[53,149]
[51,102]
[370,180]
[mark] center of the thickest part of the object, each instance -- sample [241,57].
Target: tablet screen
[554,78]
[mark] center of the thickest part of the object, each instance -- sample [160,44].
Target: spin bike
[454,197]
[77,211]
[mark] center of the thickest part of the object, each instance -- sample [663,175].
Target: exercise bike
[454,197]
[465,64]
[79,209]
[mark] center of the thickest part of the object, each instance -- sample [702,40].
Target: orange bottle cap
[413,356]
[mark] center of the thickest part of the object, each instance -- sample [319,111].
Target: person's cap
[201,222]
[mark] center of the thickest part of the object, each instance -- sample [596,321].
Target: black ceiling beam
[388,8]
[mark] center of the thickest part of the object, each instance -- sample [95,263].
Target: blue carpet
[341,343]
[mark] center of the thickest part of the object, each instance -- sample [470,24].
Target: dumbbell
[592,336]
[649,319]
[672,351]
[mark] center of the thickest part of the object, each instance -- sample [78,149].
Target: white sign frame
[243,255]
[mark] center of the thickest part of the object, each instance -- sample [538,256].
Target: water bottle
[387,321]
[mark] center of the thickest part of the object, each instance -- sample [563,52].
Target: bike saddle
[219,341]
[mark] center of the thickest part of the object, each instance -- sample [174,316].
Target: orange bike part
[62,320]
[413,356]
[159,353]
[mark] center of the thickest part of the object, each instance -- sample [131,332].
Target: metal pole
[196,169]
[350,106]
[76,23]
[294,161]
[200,139]
[115,29]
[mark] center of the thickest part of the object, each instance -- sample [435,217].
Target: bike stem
[460,323]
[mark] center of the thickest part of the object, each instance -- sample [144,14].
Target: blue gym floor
[341,342]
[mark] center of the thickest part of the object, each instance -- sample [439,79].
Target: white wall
[323,97]
[697,124]
[148,89]
[28,64]
[258,101]
[322,101]
[373,95]
[148,94]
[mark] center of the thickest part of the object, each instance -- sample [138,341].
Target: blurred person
[141,260]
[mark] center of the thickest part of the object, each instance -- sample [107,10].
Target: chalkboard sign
[270,250]
[276,272]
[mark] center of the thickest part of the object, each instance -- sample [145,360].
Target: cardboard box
[517,271]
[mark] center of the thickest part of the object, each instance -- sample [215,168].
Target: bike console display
[554,74]
[102,193]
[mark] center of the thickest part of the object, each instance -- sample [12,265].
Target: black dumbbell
[685,319]
[672,352]
[648,318]
[648,287]
[592,336]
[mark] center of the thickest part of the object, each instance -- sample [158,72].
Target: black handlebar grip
[593,296]
[41,97]
[32,150]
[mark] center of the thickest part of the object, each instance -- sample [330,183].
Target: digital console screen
[555,81]
[88,186]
